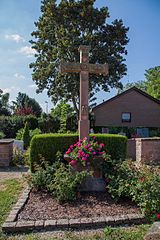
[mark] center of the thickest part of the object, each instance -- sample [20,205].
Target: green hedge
[47,145]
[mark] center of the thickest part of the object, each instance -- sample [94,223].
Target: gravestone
[6,152]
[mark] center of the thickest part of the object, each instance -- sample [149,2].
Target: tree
[140,84]
[65,114]
[150,85]
[60,30]
[24,105]
[26,136]
[153,81]
[4,104]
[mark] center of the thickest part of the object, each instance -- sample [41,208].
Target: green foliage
[4,104]
[2,135]
[8,196]
[18,157]
[26,136]
[151,85]
[141,184]
[47,145]
[153,81]
[129,233]
[48,124]
[24,101]
[58,38]
[140,85]
[64,185]
[11,124]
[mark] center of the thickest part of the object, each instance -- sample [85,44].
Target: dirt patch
[42,206]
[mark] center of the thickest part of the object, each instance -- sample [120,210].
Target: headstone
[84,68]
[6,152]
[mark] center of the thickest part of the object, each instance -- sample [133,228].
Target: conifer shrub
[26,136]
[47,145]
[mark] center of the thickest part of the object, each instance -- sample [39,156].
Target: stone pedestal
[93,184]
[6,152]
[148,150]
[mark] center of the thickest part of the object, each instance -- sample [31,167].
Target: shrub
[11,124]
[26,136]
[64,185]
[142,185]
[18,157]
[47,145]
[2,135]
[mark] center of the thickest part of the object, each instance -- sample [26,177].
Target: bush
[64,185]
[18,157]
[26,136]
[59,180]
[141,184]
[47,145]
[19,135]
[2,135]
[11,124]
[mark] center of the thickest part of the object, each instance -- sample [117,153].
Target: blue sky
[17,19]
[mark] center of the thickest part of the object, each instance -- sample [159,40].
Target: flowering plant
[85,153]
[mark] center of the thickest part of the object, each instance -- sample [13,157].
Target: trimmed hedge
[46,146]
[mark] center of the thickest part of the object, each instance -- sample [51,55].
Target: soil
[42,206]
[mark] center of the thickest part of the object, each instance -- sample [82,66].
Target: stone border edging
[12,225]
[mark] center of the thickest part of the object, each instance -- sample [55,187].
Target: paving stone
[121,219]
[110,221]
[99,221]
[39,224]
[62,223]
[135,218]
[50,224]
[74,223]
[25,225]
[9,226]
[86,222]
[11,218]
[154,232]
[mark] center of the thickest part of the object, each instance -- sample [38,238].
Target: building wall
[144,111]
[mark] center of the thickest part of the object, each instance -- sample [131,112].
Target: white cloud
[11,89]
[32,86]
[14,37]
[19,76]
[28,51]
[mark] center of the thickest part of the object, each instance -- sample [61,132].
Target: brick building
[132,108]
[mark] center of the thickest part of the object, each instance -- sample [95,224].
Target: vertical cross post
[84,86]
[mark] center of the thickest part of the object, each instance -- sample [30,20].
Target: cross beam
[84,68]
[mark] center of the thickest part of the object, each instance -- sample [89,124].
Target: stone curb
[12,225]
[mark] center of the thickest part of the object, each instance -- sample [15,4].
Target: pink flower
[94,153]
[87,155]
[158,215]
[85,147]
[90,149]
[68,151]
[71,146]
[79,145]
[102,144]
[84,158]
[100,153]
[73,162]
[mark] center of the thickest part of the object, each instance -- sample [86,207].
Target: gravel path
[12,172]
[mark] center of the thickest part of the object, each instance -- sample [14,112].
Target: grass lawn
[9,191]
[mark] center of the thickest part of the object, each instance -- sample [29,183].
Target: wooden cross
[84,68]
